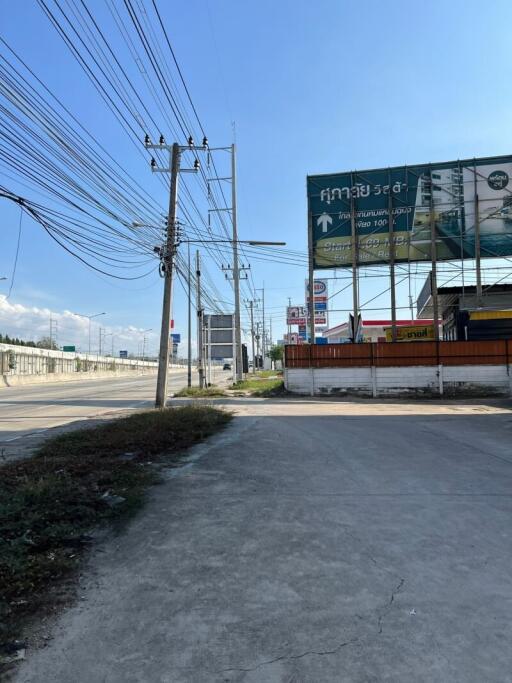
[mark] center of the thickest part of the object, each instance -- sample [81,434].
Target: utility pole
[258,342]
[236,271]
[168,263]
[199,322]
[189,360]
[251,307]
[168,252]
[289,326]
[99,341]
[263,341]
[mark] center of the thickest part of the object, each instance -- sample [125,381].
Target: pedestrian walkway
[315,542]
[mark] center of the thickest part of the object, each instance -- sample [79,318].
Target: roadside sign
[296,315]
[406,333]
[400,205]
[123,354]
[321,293]
[176,338]
[320,340]
[69,349]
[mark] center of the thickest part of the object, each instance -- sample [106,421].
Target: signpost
[220,338]
[123,354]
[69,349]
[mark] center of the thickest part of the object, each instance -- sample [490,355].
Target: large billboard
[450,194]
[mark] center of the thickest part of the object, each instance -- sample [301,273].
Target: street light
[89,317]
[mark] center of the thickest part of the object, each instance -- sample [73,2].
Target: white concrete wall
[394,381]
[28,365]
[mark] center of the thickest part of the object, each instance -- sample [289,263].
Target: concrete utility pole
[263,333]
[167,253]
[258,342]
[289,326]
[251,306]
[168,262]
[199,322]
[236,271]
[189,359]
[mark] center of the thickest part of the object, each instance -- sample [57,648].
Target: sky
[311,88]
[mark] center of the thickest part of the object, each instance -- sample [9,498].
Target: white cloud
[32,323]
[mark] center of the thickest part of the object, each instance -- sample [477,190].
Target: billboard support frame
[477,243]
[355,250]
[392,263]
[311,277]
[433,249]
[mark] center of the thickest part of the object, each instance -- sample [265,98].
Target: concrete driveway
[313,541]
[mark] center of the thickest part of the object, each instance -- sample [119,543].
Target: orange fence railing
[388,354]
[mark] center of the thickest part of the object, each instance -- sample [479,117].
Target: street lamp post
[89,317]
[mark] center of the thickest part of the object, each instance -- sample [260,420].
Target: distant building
[464,317]
[373,330]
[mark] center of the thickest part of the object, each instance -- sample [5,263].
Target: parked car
[226,366]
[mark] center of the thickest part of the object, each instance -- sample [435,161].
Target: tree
[47,343]
[275,353]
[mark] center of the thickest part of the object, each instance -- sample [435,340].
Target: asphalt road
[311,542]
[27,412]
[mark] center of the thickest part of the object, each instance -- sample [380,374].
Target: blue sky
[313,88]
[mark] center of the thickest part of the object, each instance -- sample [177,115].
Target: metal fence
[389,354]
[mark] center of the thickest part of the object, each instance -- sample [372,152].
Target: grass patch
[50,503]
[269,373]
[196,392]
[261,386]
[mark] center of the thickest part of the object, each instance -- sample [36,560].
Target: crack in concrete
[388,606]
[267,662]
[292,657]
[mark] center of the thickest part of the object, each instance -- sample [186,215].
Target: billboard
[455,196]
[411,333]
[296,315]
[219,335]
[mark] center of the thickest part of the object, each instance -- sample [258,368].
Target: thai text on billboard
[455,197]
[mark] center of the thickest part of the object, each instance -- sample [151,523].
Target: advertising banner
[411,333]
[455,196]
[296,315]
